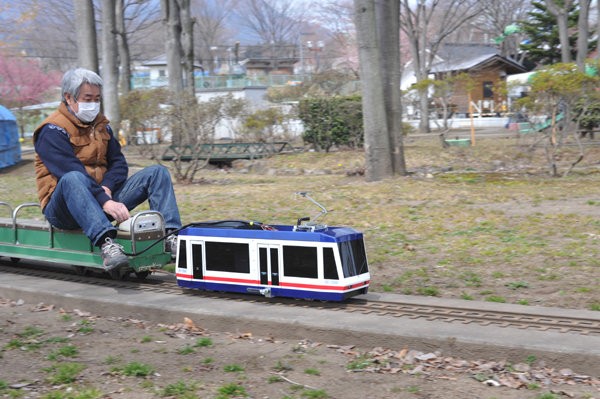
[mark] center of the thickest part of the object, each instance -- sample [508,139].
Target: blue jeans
[72,205]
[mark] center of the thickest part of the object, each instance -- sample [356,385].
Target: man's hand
[108,191]
[117,210]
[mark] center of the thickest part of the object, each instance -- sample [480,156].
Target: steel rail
[450,314]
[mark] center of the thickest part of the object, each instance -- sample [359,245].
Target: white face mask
[87,111]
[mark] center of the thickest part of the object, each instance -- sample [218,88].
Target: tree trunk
[424,126]
[598,29]
[187,45]
[123,47]
[377,143]
[172,25]
[424,65]
[583,33]
[85,28]
[388,15]
[110,71]
[562,20]
[563,33]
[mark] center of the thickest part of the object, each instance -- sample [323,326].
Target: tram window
[329,268]
[300,261]
[227,257]
[197,261]
[197,254]
[354,257]
[182,264]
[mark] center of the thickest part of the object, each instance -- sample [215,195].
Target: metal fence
[223,82]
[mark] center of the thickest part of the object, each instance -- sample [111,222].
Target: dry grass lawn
[480,223]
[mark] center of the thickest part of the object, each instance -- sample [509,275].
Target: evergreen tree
[543,44]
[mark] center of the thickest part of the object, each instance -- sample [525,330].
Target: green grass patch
[86,327]
[31,332]
[360,363]
[180,389]
[233,368]
[495,298]
[203,342]
[87,393]
[65,351]
[64,373]
[135,369]
[186,350]
[315,394]
[517,284]
[428,291]
[231,390]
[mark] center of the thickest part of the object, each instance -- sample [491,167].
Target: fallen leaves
[188,327]
[491,373]
[8,303]
[41,307]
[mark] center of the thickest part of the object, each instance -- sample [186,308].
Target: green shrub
[332,121]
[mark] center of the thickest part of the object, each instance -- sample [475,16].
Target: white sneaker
[171,245]
[113,255]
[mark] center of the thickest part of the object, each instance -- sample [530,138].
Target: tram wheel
[117,274]
[82,270]
[143,274]
[15,260]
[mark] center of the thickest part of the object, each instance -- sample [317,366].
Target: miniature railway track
[164,283]
[563,324]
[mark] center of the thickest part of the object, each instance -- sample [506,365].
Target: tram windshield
[354,257]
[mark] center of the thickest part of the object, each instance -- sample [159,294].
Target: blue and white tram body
[323,263]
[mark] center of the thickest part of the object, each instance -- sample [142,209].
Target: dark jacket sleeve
[116,173]
[56,152]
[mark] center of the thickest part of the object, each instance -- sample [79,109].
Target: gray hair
[74,78]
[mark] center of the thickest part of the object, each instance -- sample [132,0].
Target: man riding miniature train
[81,172]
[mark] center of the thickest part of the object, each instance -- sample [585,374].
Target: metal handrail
[2,203]
[15,214]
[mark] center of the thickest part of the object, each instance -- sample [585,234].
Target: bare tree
[275,23]
[583,33]
[426,26]
[337,18]
[123,47]
[110,70]
[135,22]
[179,43]
[193,125]
[211,28]
[47,31]
[388,15]
[172,25]
[377,141]
[187,45]
[87,50]
[598,28]
[496,17]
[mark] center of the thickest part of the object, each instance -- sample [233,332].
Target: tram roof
[279,232]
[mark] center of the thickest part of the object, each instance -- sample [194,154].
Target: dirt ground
[73,353]
[536,243]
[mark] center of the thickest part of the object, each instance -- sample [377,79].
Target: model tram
[324,263]
[306,261]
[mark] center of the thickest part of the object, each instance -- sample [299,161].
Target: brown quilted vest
[89,142]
